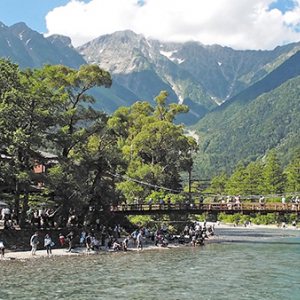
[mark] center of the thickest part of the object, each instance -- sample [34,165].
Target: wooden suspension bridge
[207,208]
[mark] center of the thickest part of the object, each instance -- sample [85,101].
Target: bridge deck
[209,208]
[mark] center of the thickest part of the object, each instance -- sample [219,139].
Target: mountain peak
[60,40]
[20,26]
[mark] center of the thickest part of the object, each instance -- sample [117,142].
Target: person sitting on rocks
[116,246]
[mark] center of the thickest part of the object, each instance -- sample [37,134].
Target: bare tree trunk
[24,208]
[17,202]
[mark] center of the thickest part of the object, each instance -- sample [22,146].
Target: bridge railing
[210,207]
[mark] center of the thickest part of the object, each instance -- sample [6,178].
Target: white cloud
[241,24]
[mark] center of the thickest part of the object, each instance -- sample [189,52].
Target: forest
[263,177]
[88,160]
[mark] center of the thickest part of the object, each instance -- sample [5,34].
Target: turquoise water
[240,264]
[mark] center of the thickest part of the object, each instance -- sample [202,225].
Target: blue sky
[32,12]
[283,5]
[240,24]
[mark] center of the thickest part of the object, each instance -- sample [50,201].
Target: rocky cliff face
[145,67]
[194,74]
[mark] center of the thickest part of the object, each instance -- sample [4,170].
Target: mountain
[246,127]
[201,76]
[139,65]
[31,49]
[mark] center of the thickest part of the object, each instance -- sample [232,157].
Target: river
[239,264]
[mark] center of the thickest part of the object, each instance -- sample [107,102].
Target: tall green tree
[26,114]
[76,124]
[218,184]
[254,179]
[155,149]
[236,182]
[292,172]
[274,179]
[76,119]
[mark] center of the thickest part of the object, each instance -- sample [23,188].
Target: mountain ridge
[203,76]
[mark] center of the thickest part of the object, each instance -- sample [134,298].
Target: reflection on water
[244,264]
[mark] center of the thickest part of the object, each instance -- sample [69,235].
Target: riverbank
[23,255]
[255,226]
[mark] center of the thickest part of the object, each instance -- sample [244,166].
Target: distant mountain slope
[225,72]
[264,116]
[31,49]
[201,76]
[137,64]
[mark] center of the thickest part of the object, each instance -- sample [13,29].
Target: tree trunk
[17,202]
[24,208]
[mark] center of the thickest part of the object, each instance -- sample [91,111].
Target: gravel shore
[22,255]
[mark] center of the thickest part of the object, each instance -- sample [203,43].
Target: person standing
[61,239]
[34,242]
[48,243]
[161,203]
[140,240]
[125,243]
[103,235]
[82,238]
[70,237]
[283,200]
[261,202]
[88,242]
[2,249]
[150,203]
[169,203]
[201,201]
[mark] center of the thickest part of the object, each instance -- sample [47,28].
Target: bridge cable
[143,183]
[199,193]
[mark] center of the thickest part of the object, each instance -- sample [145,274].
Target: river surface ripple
[239,264]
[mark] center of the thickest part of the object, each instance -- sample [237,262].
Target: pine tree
[254,179]
[292,172]
[274,179]
[236,182]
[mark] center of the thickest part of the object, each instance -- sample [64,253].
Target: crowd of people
[111,239]
[41,218]
[8,217]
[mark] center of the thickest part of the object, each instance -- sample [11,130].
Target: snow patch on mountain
[21,35]
[167,54]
